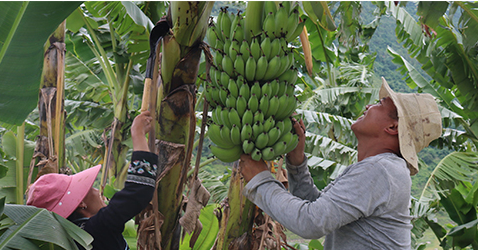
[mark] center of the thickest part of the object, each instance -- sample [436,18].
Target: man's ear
[392,129]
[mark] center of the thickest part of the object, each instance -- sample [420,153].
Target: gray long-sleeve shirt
[366,207]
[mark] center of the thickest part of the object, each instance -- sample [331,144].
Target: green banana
[266,47]
[219,46]
[253,103]
[253,20]
[224,115]
[244,49]
[257,129]
[218,25]
[275,87]
[268,154]
[214,133]
[227,44]
[239,65]
[281,18]
[275,48]
[270,6]
[248,117]
[226,25]
[280,147]
[290,89]
[281,111]
[250,69]
[234,23]
[246,132]
[293,143]
[255,49]
[232,87]
[231,102]
[212,75]
[223,96]
[288,126]
[218,60]
[269,124]
[284,64]
[292,23]
[238,33]
[227,154]
[274,135]
[216,116]
[266,89]
[245,91]
[234,118]
[269,25]
[224,79]
[235,135]
[282,88]
[225,133]
[264,103]
[215,95]
[280,125]
[272,69]
[233,50]
[211,36]
[241,105]
[248,146]
[256,154]
[261,68]
[273,107]
[258,116]
[261,140]
[287,6]
[208,96]
[228,65]
[293,35]
[256,89]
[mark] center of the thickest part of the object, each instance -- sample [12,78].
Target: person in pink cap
[74,197]
[367,206]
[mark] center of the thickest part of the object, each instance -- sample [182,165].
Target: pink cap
[61,193]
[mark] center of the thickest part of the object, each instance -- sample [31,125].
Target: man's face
[376,118]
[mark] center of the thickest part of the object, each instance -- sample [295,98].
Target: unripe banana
[250,71]
[226,134]
[239,65]
[290,89]
[214,133]
[266,89]
[287,6]
[281,111]
[280,147]
[226,25]
[212,75]
[238,32]
[275,87]
[273,107]
[284,65]
[227,155]
[292,23]
[224,79]
[266,47]
[264,103]
[259,117]
[269,25]
[241,105]
[269,124]
[248,146]
[275,48]
[286,137]
[240,81]
[216,116]
[283,45]
[261,140]
[218,60]
[234,118]
[244,49]
[234,49]
[268,154]
[293,143]
[218,24]
[256,89]
[291,106]
[286,76]
[235,135]
[245,91]
[257,129]
[293,35]
[223,96]
[261,68]
[246,132]
[215,95]
[208,96]
[227,44]
[211,36]
[288,126]
[248,117]
[270,6]
[253,103]
[235,21]
[256,154]
[274,135]
[273,68]
[231,102]
[280,125]
[232,87]
[255,49]
[280,18]
[219,47]
[282,88]
[225,118]
[228,65]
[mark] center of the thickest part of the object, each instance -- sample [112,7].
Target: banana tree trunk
[237,216]
[49,152]
[181,54]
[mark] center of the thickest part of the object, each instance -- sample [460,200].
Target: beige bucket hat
[419,122]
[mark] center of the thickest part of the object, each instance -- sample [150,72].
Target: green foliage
[210,228]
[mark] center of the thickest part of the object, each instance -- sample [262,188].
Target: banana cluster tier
[252,81]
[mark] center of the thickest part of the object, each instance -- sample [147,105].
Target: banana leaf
[24,28]
[35,228]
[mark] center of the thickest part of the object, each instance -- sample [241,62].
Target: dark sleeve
[108,224]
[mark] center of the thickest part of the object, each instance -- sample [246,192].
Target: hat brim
[80,185]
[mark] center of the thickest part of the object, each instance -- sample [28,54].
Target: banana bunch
[252,82]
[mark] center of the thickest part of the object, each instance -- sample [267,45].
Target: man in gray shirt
[367,206]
